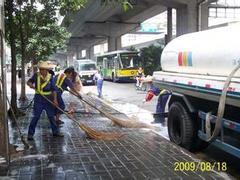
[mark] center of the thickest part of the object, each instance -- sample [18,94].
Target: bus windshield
[87,67]
[130,60]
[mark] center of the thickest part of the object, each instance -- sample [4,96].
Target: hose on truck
[221,106]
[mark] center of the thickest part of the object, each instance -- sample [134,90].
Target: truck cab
[86,68]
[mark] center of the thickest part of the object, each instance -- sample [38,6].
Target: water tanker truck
[202,71]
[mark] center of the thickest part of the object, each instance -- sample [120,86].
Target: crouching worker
[62,82]
[164,94]
[44,87]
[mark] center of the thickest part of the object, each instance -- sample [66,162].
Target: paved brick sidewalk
[139,154]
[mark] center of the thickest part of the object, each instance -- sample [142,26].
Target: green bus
[119,65]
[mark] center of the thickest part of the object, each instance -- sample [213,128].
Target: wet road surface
[139,154]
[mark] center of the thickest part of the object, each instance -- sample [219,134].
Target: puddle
[51,165]
[2,160]
[31,157]
[60,169]
[14,172]
[6,178]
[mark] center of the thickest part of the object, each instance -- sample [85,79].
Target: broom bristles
[127,123]
[89,131]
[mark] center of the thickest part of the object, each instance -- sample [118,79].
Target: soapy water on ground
[145,116]
[35,156]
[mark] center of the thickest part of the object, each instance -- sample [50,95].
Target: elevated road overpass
[97,23]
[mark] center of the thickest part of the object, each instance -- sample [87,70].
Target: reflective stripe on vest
[163,92]
[40,86]
[60,80]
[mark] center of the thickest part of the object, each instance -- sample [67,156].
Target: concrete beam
[85,42]
[109,28]
[140,13]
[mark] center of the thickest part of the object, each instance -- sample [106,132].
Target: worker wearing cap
[43,84]
[62,82]
[162,100]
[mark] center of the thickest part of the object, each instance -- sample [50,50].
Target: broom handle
[73,93]
[59,109]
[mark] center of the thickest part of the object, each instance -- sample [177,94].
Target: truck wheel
[180,126]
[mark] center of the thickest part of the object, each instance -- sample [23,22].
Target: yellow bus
[119,65]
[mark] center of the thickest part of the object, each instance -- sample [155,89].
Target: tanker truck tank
[212,52]
[202,71]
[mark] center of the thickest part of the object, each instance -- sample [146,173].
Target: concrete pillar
[169,25]
[181,26]
[114,43]
[90,53]
[203,17]
[78,52]
[187,18]
[101,48]
[87,53]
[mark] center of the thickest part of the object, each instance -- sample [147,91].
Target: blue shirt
[66,83]
[49,87]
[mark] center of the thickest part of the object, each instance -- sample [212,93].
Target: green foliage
[36,30]
[126,5]
[132,48]
[151,58]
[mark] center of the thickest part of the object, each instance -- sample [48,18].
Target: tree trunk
[12,38]
[35,63]
[23,96]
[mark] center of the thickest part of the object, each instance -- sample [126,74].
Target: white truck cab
[86,68]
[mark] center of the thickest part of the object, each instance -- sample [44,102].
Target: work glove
[149,96]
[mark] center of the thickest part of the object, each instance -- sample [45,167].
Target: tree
[11,37]
[34,34]
[151,58]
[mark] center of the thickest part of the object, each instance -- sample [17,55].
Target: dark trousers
[162,101]
[41,104]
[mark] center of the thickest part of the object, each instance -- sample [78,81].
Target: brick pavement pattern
[139,154]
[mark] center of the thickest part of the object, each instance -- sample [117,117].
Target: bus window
[100,61]
[117,64]
[129,60]
[104,62]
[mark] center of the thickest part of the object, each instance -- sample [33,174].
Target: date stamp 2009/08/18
[200,166]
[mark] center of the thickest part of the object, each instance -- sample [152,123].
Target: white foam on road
[145,116]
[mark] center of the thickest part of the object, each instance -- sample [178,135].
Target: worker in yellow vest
[43,84]
[62,82]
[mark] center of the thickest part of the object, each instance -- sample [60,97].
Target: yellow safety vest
[40,86]
[164,91]
[60,80]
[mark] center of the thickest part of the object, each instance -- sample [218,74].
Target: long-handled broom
[129,123]
[24,141]
[89,131]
